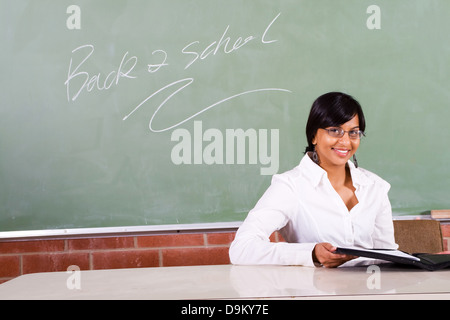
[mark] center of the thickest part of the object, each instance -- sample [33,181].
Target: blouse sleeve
[383,236]
[252,244]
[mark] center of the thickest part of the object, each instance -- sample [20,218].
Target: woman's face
[335,151]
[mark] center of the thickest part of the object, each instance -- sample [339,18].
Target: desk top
[233,282]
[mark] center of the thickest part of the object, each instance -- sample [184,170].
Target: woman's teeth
[341,152]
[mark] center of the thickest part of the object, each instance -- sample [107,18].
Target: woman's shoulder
[289,176]
[299,174]
[369,177]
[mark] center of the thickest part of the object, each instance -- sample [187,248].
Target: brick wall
[22,257]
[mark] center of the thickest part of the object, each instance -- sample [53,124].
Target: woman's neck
[338,175]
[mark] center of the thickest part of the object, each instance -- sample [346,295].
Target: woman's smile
[341,152]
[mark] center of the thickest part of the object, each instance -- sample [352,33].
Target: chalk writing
[152,68]
[95,82]
[80,80]
[187,82]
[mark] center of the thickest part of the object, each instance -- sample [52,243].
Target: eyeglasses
[339,133]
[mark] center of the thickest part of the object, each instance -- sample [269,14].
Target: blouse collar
[316,174]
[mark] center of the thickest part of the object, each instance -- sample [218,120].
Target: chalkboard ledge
[123,231]
[150,230]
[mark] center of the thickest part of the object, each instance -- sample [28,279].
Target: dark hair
[332,110]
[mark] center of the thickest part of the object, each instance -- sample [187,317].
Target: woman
[325,202]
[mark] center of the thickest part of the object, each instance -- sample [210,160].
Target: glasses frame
[343,132]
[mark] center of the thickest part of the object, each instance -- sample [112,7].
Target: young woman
[325,202]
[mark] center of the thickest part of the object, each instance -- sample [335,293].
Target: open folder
[428,261]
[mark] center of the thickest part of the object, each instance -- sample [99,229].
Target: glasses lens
[354,135]
[339,133]
[336,132]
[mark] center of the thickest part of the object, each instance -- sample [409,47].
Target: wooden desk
[233,282]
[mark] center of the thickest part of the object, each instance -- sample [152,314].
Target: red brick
[54,262]
[195,256]
[220,238]
[125,259]
[171,240]
[273,237]
[446,242]
[9,266]
[280,237]
[31,246]
[445,230]
[100,243]
[276,237]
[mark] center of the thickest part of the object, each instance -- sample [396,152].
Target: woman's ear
[314,138]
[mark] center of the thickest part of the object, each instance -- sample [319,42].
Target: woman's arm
[383,235]
[252,244]
[272,212]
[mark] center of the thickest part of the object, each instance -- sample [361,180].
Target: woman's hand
[323,254]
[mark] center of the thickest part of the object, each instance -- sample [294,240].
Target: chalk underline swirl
[187,82]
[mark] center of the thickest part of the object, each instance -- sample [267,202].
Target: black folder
[427,261]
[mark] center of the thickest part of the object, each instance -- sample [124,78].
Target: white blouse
[304,206]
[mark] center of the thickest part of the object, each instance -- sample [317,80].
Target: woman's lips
[341,152]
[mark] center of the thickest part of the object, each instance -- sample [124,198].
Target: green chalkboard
[151,112]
